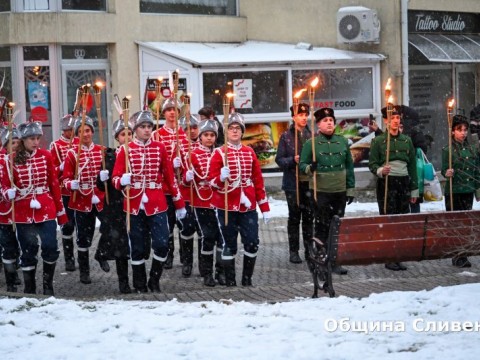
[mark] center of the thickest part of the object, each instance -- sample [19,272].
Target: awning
[447,48]
[253,53]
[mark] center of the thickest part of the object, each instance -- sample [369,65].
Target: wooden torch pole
[158,94]
[175,79]
[311,96]
[85,93]
[450,105]
[125,109]
[226,112]
[389,100]
[9,114]
[97,91]
[296,100]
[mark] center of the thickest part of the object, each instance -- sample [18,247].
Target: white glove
[181,213]
[62,165]
[266,217]
[189,175]
[177,162]
[126,179]
[104,175]
[74,184]
[11,193]
[224,173]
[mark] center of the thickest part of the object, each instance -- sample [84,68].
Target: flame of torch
[226,111]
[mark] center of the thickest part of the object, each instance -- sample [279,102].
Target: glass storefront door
[73,78]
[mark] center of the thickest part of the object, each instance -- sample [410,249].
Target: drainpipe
[404,34]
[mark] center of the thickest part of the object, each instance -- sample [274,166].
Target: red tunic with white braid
[202,194]
[185,187]
[168,137]
[152,176]
[5,204]
[35,180]
[89,166]
[245,176]
[59,149]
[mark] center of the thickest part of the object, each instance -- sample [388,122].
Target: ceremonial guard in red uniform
[86,199]
[37,203]
[176,148]
[113,227]
[9,249]
[204,213]
[188,225]
[149,174]
[245,189]
[59,149]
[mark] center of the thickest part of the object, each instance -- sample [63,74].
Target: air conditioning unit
[357,24]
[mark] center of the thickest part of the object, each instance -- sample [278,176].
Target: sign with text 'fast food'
[242,89]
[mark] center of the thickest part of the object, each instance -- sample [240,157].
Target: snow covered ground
[438,324]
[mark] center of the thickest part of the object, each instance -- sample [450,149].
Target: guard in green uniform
[401,169]
[333,169]
[464,174]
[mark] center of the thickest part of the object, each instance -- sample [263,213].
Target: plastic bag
[420,169]
[424,167]
[432,190]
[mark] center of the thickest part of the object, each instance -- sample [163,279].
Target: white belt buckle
[137,185]
[152,185]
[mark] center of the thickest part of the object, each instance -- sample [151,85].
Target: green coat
[465,163]
[334,164]
[401,150]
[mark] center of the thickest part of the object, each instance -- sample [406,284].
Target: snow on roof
[255,53]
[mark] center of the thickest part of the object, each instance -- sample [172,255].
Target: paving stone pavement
[275,278]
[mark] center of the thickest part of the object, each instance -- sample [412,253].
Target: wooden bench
[392,238]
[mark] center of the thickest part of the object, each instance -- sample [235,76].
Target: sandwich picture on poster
[259,138]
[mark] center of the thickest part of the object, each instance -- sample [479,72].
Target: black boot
[122,272]
[48,272]
[68,253]
[155,274]
[229,268]
[17,278]
[30,286]
[84,266]
[187,255]
[139,278]
[171,249]
[103,263]
[10,274]
[219,271]
[206,269]
[295,258]
[248,266]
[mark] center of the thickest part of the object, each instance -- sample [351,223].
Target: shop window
[77,78]
[430,89]
[339,88]
[35,5]
[35,53]
[87,52]
[199,7]
[256,91]
[38,96]
[5,6]
[88,5]
[5,78]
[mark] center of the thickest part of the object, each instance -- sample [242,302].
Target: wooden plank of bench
[380,239]
[406,237]
[449,231]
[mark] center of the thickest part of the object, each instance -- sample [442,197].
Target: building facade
[263,51]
